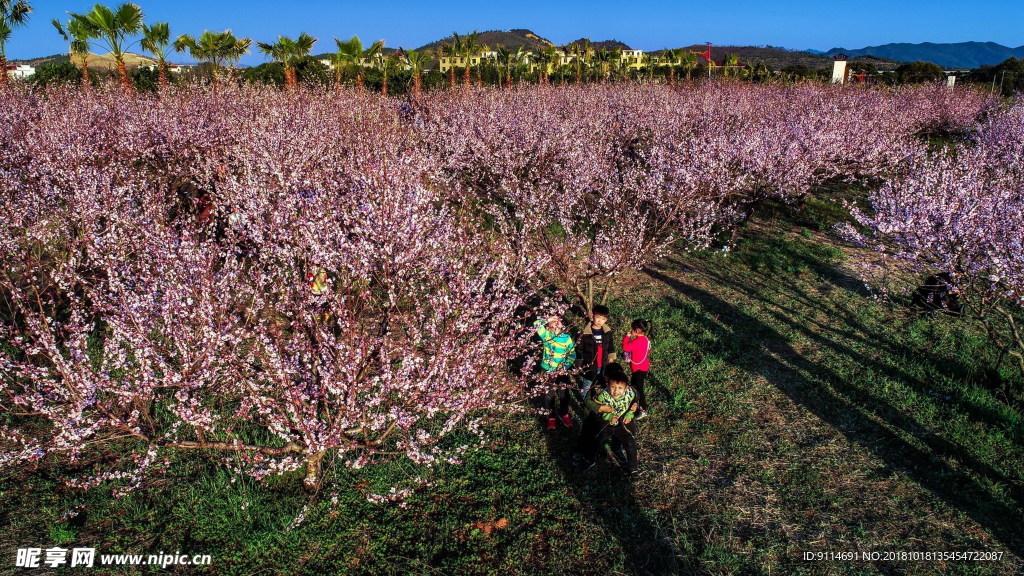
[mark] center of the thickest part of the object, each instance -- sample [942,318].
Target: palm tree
[731,64]
[416,61]
[351,55]
[582,51]
[508,60]
[156,40]
[470,48]
[12,15]
[544,58]
[220,49]
[78,36]
[670,57]
[452,50]
[603,60]
[649,61]
[113,27]
[387,64]
[689,62]
[289,53]
[567,50]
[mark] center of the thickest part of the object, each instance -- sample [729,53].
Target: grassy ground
[791,414]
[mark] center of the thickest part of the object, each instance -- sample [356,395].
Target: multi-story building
[633,59]
[20,71]
[448,62]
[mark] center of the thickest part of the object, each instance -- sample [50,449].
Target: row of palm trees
[583,57]
[113,30]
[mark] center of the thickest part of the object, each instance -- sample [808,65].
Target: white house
[20,71]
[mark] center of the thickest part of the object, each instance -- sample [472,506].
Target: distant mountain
[511,39]
[105,61]
[43,60]
[778,58]
[958,55]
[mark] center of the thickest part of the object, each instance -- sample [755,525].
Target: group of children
[613,401]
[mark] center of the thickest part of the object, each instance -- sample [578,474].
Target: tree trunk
[384,85]
[466,78]
[359,80]
[417,84]
[164,83]
[314,470]
[607,291]
[122,73]
[4,80]
[451,76]
[590,296]
[86,80]
[671,75]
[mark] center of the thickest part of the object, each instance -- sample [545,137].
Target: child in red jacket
[637,350]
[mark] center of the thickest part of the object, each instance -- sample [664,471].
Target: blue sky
[648,25]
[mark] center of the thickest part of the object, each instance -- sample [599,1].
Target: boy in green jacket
[558,356]
[611,417]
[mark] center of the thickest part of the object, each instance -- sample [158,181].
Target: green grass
[791,413]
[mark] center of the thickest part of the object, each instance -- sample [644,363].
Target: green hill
[512,39]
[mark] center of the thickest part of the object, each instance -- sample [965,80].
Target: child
[597,348]
[616,406]
[559,354]
[636,349]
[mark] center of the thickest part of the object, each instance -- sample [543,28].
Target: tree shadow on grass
[866,419]
[610,498]
[846,325]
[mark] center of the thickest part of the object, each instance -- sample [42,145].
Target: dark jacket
[586,351]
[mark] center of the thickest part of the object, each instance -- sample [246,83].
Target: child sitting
[611,418]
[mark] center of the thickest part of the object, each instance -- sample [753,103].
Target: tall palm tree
[416,61]
[671,56]
[113,28]
[289,53]
[731,63]
[156,40]
[452,50]
[689,62]
[508,60]
[603,60]
[544,60]
[582,52]
[220,49]
[78,36]
[567,50]
[471,48]
[12,15]
[351,54]
[387,64]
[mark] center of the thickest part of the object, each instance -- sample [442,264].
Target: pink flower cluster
[960,210]
[604,178]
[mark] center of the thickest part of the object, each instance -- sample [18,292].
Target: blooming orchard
[279,277]
[960,210]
